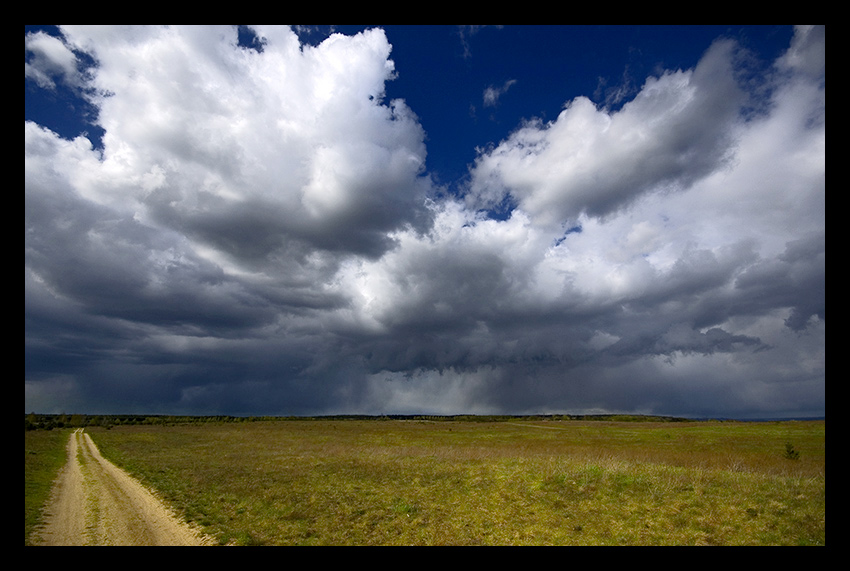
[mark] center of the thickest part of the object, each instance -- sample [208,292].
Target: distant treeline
[502,417]
[35,421]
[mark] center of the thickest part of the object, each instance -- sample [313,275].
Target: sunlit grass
[44,455]
[464,483]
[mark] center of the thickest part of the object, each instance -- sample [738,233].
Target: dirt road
[94,502]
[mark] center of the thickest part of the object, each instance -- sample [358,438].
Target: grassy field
[44,455]
[496,483]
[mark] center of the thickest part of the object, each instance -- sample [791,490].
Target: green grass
[494,483]
[44,455]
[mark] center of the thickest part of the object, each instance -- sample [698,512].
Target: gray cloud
[259,236]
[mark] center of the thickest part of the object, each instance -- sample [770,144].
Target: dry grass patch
[465,483]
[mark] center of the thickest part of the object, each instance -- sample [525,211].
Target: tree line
[35,421]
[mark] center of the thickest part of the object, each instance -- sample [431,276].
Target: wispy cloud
[492,94]
[465,33]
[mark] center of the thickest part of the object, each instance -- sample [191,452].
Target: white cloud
[691,219]
[492,94]
[263,221]
[807,53]
[204,135]
[674,132]
[50,59]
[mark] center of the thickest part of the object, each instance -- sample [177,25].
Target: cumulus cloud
[231,185]
[258,235]
[49,58]
[634,240]
[674,132]
[257,155]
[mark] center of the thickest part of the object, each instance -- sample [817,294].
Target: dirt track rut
[93,502]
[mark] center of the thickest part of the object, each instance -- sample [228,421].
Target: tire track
[93,502]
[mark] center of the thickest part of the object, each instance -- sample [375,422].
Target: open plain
[523,482]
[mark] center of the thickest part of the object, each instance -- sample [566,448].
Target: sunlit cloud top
[261,220]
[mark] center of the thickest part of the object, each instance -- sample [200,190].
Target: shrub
[790,453]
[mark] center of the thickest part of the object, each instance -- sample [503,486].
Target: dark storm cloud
[793,279]
[258,235]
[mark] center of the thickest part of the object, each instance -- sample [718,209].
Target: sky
[318,220]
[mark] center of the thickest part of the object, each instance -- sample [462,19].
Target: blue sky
[425,219]
[539,68]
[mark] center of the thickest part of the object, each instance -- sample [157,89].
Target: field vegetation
[44,455]
[496,482]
